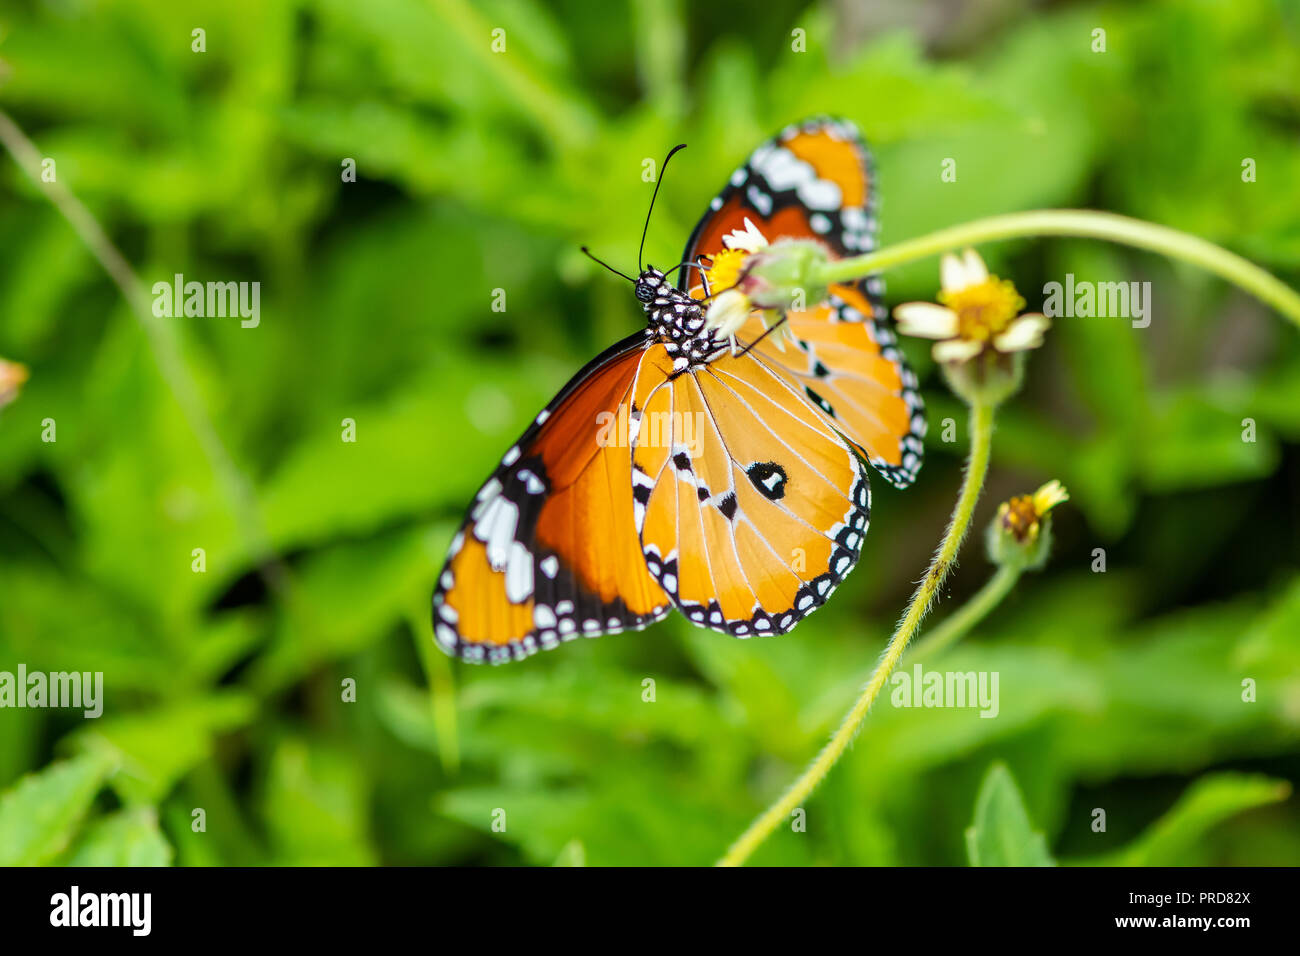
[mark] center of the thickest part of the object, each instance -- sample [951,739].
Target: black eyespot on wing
[728,506]
[820,370]
[769,478]
[702,493]
[682,461]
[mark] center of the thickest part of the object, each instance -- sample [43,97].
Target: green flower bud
[1021,533]
[784,276]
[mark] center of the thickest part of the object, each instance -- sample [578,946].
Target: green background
[479,171]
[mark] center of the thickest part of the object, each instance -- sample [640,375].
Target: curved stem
[959,623]
[973,483]
[1077,222]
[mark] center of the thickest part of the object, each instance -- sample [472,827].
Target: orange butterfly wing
[816,181]
[549,550]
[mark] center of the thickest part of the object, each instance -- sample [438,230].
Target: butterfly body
[676,471]
[676,319]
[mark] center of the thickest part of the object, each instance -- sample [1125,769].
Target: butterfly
[676,471]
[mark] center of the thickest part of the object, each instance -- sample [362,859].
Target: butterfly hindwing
[816,181]
[851,368]
[549,550]
[754,508]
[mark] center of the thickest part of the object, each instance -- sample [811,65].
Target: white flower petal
[748,239]
[1025,332]
[926,320]
[952,273]
[956,273]
[956,350]
[728,312]
[976,270]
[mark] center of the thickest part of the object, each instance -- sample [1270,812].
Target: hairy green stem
[1084,223]
[972,484]
[959,623]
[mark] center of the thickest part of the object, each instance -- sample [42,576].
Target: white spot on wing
[495,523]
[519,574]
[533,484]
[784,170]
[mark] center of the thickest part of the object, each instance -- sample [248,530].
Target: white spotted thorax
[676,321]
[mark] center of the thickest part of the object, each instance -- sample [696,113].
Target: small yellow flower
[727,268]
[729,281]
[979,312]
[1021,530]
[12,377]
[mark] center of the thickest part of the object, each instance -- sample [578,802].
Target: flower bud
[990,378]
[1022,531]
[785,275]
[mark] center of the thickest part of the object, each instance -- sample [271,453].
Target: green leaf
[156,748]
[1206,803]
[128,838]
[316,807]
[40,814]
[1001,834]
[573,854]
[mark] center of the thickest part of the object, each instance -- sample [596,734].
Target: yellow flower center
[1020,518]
[984,309]
[1023,515]
[725,270]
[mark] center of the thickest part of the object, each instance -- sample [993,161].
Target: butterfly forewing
[549,550]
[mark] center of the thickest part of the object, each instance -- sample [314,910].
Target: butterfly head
[650,284]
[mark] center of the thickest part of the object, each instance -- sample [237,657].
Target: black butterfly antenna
[659,182]
[607,265]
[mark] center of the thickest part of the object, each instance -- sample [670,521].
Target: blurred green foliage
[479,171]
